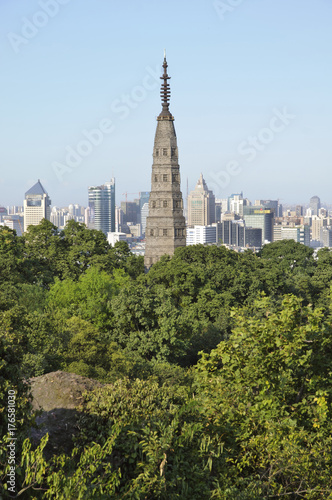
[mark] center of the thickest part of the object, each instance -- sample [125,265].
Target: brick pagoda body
[165,225]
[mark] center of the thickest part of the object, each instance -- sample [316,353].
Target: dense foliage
[217,366]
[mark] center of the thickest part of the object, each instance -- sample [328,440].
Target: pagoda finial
[165,93]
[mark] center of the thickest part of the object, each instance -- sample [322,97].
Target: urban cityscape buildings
[154,224]
[239,224]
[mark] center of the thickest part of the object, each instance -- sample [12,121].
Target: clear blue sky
[75,67]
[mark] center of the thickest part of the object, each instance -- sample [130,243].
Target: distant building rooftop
[36,189]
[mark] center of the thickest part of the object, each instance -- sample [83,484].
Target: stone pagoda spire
[165,225]
[165,93]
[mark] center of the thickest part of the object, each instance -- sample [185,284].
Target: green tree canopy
[267,391]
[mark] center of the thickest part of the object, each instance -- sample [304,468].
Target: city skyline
[251,94]
[130,199]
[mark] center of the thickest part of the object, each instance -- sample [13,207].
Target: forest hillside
[207,377]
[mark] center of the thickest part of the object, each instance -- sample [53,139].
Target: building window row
[158,232]
[164,178]
[179,233]
[164,152]
[155,204]
[165,203]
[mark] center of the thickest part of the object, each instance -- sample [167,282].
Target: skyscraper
[144,215]
[131,212]
[165,224]
[315,205]
[102,207]
[37,206]
[259,216]
[144,197]
[201,205]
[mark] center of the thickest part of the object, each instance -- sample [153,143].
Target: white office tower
[201,235]
[37,206]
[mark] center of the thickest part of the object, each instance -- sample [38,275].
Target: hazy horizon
[250,87]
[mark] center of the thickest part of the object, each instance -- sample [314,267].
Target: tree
[119,256]
[89,297]
[15,406]
[322,278]
[137,440]
[88,352]
[267,391]
[45,344]
[81,246]
[43,250]
[11,256]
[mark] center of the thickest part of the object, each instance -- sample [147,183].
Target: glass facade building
[102,207]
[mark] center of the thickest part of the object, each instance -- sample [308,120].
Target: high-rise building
[299,211]
[252,237]
[3,213]
[326,236]
[270,204]
[102,207]
[165,224]
[221,206]
[299,233]
[119,224]
[201,235]
[87,217]
[15,210]
[258,216]
[37,206]
[144,215]
[317,223]
[15,222]
[314,205]
[57,217]
[323,212]
[131,212]
[235,233]
[201,205]
[113,238]
[236,204]
[144,197]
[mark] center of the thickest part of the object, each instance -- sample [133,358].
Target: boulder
[58,396]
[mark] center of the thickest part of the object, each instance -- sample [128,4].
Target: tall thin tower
[102,206]
[165,225]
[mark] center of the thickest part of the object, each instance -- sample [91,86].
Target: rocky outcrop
[58,396]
